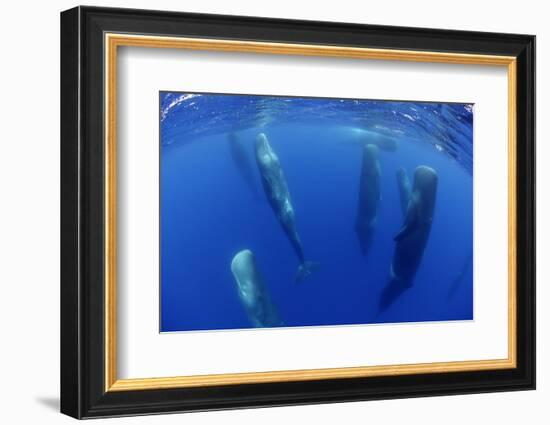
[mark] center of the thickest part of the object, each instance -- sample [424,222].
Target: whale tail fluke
[305,269]
[392,291]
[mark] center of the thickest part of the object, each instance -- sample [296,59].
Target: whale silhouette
[369,198]
[411,240]
[243,162]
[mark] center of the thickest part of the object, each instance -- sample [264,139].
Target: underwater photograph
[283,211]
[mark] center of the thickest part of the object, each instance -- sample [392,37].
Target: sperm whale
[411,240]
[243,162]
[278,195]
[253,292]
[369,198]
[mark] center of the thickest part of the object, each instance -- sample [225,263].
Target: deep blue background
[208,213]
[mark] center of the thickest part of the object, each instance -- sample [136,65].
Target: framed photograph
[261,212]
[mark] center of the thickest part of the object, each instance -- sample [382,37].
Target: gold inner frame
[113,41]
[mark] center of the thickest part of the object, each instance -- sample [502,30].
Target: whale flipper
[305,269]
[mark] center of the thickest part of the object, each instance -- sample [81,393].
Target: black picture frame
[83,392]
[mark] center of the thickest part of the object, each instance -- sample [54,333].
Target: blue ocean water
[213,205]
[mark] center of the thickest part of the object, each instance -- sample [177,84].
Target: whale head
[243,267]
[425,177]
[262,144]
[425,183]
[401,174]
[252,291]
[264,153]
[370,157]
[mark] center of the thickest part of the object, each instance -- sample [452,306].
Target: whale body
[368,137]
[412,239]
[404,187]
[369,198]
[242,162]
[460,276]
[278,195]
[252,291]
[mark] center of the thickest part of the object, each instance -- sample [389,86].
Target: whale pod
[252,291]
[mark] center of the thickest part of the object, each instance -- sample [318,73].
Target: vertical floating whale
[411,240]
[243,163]
[252,291]
[404,186]
[276,191]
[369,198]
[466,265]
